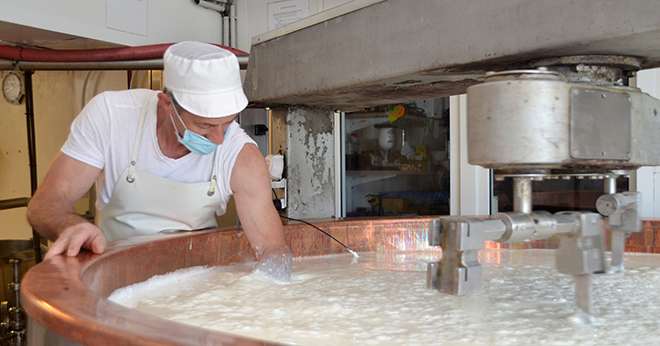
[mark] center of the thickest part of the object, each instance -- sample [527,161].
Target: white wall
[470,185]
[648,178]
[137,22]
[253,17]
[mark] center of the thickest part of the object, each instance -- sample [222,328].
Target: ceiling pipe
[152,64]
[92,55]
[123,58]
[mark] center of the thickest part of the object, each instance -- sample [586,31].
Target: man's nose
[216,137]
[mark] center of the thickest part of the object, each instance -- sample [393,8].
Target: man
[163,161]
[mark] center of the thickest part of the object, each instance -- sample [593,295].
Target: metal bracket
[460,271]
[582,252]
[623,218]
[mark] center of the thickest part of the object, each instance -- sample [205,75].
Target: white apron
[144,204]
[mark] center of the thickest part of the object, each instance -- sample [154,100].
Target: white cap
[204,79]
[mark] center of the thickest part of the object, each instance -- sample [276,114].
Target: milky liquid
[381,300]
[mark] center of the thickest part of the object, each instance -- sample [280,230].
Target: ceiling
[25,36]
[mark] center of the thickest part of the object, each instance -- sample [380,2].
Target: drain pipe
[233,25]
[227,11]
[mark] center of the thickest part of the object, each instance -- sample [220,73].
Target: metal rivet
[130,179]
[133,163]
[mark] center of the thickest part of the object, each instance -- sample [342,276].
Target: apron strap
[130,177]
[214,175]
[214,170]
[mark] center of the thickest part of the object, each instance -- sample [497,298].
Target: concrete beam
[397,50]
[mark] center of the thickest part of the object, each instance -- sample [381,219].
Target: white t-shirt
[104,132]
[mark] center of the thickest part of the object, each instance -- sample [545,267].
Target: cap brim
[212,105]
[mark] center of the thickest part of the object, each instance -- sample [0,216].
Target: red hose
[154,51]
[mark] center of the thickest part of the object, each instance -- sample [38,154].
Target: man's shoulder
[132,98]
[248,161]
[249,165]
[116,106]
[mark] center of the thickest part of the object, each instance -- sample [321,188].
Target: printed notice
[281,13]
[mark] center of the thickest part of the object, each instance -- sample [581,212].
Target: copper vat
[65,298]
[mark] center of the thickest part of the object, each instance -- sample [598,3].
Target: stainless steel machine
[560,107]
[572,117]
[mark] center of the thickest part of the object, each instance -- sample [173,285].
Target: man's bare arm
[250,183]
[51,209]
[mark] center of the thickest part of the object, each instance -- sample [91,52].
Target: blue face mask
[194,142]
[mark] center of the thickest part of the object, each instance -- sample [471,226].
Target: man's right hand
[276,263]
[82,235]
[51,210]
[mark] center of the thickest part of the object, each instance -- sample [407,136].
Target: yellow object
[397,112]
[420,152]
[393,205]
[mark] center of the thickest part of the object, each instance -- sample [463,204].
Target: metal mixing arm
[623,218]
[581,250]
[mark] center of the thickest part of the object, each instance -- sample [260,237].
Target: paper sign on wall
[281,13]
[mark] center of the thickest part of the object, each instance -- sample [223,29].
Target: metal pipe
[522,195]
[233,25]
[14,203]
[617,238]
[533,226]
[15,284]
[226,31]
[610,184]
[583,293]
[632,180]
[4,318]
[432,274]
[222,29]
[16,312]
[618,247]
[92,55]
[32,152]
[435,232]
[153,64]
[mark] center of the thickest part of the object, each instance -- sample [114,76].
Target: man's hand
[72,239]
[51,211]
[276,264]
